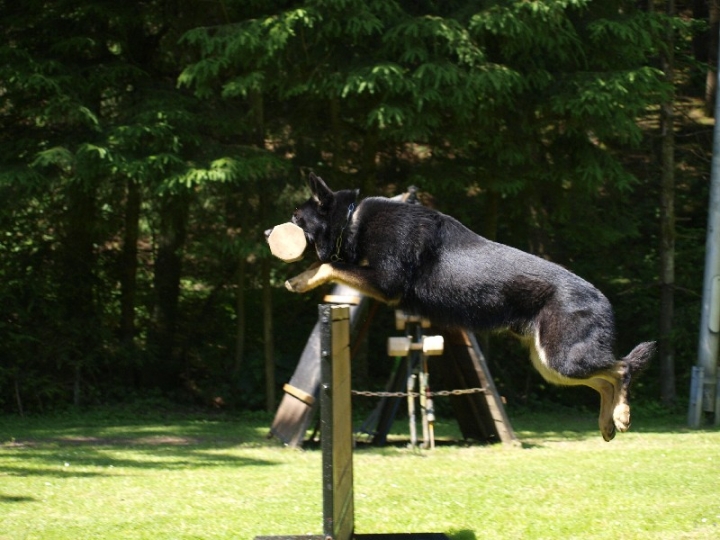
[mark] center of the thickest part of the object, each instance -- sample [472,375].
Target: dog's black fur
[429,264]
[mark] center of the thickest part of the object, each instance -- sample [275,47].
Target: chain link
[439,393]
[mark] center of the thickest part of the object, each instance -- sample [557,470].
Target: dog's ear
[321,192]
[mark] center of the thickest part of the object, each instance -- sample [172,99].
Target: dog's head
[324,213]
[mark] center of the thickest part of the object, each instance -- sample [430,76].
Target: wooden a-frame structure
[481,416]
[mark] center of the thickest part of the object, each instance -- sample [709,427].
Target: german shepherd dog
[429,264]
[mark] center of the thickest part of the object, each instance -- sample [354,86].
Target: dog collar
[335,257]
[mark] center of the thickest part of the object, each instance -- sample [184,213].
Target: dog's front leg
[311,278]
[360,278]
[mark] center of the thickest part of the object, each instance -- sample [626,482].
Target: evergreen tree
[145,145]
[97,143]
[519,108]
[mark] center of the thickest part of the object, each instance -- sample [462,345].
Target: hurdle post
[336,422]
[337,436]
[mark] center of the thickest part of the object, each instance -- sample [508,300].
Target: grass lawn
[117,476]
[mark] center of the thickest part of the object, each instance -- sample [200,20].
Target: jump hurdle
[336,435]
[418,347]
[301,397]
[463,375]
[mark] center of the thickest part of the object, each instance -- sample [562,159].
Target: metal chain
[439,393]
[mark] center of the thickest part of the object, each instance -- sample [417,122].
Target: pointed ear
[321,192]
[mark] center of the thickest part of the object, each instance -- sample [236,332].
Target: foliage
[146,145]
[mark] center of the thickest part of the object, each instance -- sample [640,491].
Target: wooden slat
[498,416]
[299,394]
[291,421]
[342,299]
[494,401]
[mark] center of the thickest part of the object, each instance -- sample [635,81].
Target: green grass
[112,477]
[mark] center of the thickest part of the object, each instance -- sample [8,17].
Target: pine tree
[98,144]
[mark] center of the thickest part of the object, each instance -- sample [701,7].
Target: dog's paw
[608,432]
[298,284]
[621,417]
[313,277]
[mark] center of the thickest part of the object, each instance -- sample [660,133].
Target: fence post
[336,421]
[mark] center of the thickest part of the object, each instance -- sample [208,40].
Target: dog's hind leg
[614,384]
[608,391]
[624,370]
[606,383]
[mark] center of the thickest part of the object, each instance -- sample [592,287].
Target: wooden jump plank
[297,410]
[477,373]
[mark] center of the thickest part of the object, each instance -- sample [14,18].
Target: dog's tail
[639,357]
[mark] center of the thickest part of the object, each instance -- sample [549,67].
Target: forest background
[145,146]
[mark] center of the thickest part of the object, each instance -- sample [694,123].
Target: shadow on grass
[51,464]
[16,498]
[46,447]
[95,451]
[65,459]
[463,535]
[49,472]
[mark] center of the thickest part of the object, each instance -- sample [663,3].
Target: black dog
[429,264]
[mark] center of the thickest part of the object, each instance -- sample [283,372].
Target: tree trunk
[18,399]
[129,263]
[538,238]
[79,275]
[491,214]
[667,228]
[166,281]
[241,316]
[258,106]
[268,337]
[77,388]
[369,163]
[241,213]
[712,58]
[338,157]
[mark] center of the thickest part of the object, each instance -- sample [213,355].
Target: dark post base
[390,536]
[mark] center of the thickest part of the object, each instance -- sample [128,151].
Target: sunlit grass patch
[219,477]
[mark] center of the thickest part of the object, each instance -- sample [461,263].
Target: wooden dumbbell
[430,346]
[402,319]
[287,242]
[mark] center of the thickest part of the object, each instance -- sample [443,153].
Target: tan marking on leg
[621,410]
[326,273]
[607,399]
[309,279]
[620,406]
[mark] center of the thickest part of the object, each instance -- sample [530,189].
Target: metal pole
[710,314]
[422,376]
[411,403]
